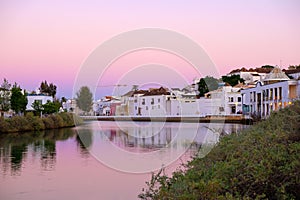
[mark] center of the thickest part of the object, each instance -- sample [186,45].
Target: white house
[106,105]
[226,100]
[275,92]
[43,99]
[151,103]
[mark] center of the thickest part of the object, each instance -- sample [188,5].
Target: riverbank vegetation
[29,122]
[262,162]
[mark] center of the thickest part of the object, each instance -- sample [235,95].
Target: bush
[48,122]
[35,123]
[57,121]
[262,162]
[67,118]
[4,125]
[19,123]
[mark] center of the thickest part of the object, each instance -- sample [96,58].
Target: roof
[258,70]
[133,92]
[157,91]
[291,71]
[276,75]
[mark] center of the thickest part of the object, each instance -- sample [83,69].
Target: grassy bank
[29,122]
[262,162]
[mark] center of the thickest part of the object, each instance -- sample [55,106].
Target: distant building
[106,106]
[70,105]
[274,92]
[226,100]
[294,73]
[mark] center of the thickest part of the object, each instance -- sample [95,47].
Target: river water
[99,160]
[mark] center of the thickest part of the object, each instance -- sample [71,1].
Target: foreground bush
[262,162]
[29,122]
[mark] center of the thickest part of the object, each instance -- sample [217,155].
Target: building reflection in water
[17,148]
[152,138]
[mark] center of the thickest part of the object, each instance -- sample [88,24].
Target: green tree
[38,107]
[233,79]
[207,84]
[84,99]
[51,107]
[48,89]
[18,100]
[4,96]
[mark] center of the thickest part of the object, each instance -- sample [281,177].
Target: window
[251,97]
[239,99]
[146,107]
[143,101]
[135,108]
[158,100]
[158,106]
[152,101]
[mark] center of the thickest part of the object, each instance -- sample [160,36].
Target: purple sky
[49,40]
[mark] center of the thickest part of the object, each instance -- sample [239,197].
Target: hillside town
[256,93]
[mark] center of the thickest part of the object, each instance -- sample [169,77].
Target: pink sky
[49,40]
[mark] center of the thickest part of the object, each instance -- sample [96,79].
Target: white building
[275,92]
[106,105]
[151,102]
[226,100]
[43,99]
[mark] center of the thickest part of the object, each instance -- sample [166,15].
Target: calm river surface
[98,160]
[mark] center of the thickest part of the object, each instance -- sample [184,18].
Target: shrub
[67,118]
[4,125]
[48,122]
[19,123]
[36,123]
[57,121]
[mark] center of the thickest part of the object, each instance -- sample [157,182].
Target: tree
[18,100]
[48,89]
[207,84]
[51,107]
[294,67]
[267,67]
[84,99]
[4,96]
[233,79]
[38,107]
